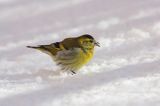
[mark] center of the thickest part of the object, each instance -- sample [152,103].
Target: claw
[73,72]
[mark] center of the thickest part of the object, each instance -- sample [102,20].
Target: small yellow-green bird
[71,53]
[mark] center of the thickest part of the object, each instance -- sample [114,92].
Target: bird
[72,53]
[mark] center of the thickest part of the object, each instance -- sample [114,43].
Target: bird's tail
[45,48]
[34,47]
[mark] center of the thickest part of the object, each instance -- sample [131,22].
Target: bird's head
[87,42]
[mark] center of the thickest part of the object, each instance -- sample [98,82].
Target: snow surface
[125,70]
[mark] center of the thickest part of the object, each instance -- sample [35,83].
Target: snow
[125,70]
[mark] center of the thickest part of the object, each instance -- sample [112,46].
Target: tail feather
[34,47]
[45,48]
[40,47]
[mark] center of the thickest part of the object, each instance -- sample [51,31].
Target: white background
[125,70]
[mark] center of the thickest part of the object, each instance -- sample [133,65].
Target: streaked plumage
[71,53]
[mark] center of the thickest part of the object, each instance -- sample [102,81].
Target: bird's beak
[97,44]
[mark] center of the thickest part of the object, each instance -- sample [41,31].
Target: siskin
[71,53]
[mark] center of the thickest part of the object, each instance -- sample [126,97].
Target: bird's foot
[73,72]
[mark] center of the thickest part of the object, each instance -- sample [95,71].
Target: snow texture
[125,70]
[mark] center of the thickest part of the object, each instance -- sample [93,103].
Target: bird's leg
[73,72]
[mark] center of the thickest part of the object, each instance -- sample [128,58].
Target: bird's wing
[70,43]
[54,48]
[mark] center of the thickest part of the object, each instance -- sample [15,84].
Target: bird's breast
[74,59]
